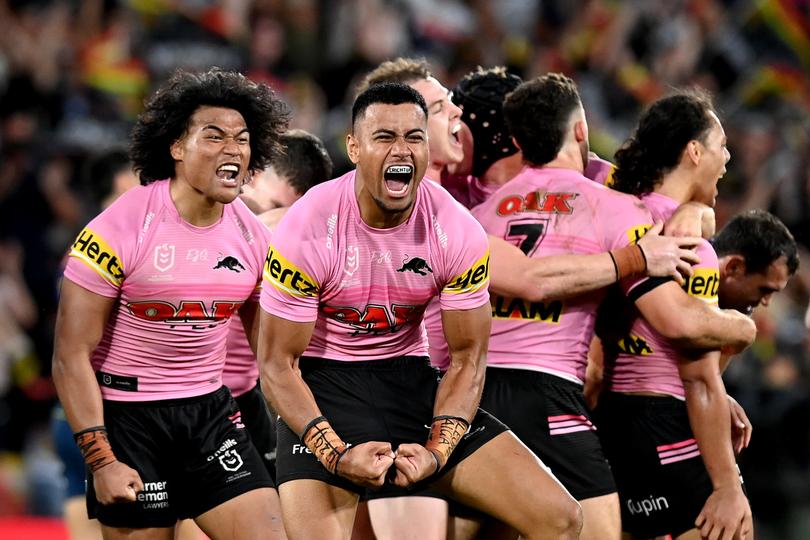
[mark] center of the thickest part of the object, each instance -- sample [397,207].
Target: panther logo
[231,263]
[415,265]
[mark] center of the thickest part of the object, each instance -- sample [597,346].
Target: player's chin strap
[445,433]
[324,443]
[628,261]
[95,447]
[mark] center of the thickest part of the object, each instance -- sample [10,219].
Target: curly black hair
[169,111]
[537,113]
[662,133]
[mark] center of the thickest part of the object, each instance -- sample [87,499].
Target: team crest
[164,257]
[231,460]
[352,260]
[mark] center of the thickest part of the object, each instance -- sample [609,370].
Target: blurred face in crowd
[389,146]
[213,156]
[444,123]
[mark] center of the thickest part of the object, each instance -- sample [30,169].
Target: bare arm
[691,219]
[467,335]
[692,323]
[727,508]
[76,338]
[539,279]
[248,313]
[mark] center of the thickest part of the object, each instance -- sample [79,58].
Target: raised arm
[692,323]
[80,323]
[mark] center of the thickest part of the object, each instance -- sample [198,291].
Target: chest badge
[164,257]
[352,260]
[415,265]
[231,263]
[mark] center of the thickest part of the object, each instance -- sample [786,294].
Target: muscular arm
[467,335]
[708,408]
[80,323]
[693,324]
[281,345]
[249,314]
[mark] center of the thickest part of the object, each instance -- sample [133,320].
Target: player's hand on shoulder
[669,256]
[413,463]
[726,515]
[367,463]
[116,482]
[691,219]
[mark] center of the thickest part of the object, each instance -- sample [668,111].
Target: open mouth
[455,134]
[397,179]
[228,173]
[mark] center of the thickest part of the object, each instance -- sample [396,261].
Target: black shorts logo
[231,460]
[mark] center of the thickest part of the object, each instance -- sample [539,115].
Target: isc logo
[471,280]
[98,255]
[287,277]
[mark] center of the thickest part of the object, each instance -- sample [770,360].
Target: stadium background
[73,75]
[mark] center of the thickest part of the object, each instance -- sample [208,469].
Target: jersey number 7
[526,234]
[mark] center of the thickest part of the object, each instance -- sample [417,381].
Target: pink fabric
[177,286]
[551,211]
[367,288]
[647,361]
[241,370]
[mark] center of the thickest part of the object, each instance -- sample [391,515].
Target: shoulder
[134,210]
[249,225]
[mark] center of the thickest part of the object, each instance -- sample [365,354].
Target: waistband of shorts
[175,402]
[398,362]
[636,402]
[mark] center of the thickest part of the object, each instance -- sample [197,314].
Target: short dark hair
[480,95]
[101,171]
[305,161]
[389,94]
[168,112]
[401,70]
[537,113]
[760,238]
[662,133]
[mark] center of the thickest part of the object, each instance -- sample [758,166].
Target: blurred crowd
[73,75]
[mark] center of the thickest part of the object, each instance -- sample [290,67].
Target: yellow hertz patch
[471,280]
[520,309]
[703,284]
[635,345]
[609,181]
[635,234]
[286,277]
[98,255]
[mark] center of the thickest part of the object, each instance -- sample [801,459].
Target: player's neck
[434,171]
[193,207]
[567,160]
[503,170]
[676,185]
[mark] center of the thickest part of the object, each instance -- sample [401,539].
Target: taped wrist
[445,433]
[95,447]
[324,443]
[628,261]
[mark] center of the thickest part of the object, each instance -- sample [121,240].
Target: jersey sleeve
[294,268]
[466,284]
[97,257]
[705,279]
[263,239]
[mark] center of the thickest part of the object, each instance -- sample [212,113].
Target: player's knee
[564,522]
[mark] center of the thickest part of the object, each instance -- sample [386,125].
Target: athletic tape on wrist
[95,447]
[445,434]
[324,443]
[628,261]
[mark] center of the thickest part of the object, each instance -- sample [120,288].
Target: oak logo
[703,283]
[471,280]
[98,255]
[518,308]
[543,203]
[286,277]
[635,345]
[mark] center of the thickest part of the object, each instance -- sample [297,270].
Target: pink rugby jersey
[241,370]
[176,286]
[367,288]
[553,211]
[646,361]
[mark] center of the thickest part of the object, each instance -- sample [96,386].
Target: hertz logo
[98,255]
[635,234]
[635,345]
[471,280]
[703,284]
[287,277]
[517,308]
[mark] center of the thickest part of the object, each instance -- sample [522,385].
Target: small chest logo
[352,260]
[164,257]
[231,263]
[415,265]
